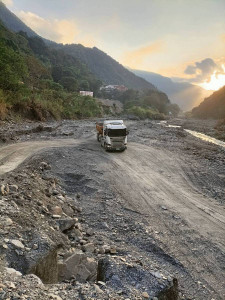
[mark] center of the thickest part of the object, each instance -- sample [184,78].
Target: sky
[181,39]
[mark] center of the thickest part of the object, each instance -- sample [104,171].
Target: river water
[206,138]
[199,135]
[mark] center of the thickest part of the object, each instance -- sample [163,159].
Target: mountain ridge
[101,65]
[185,94]
[12,22]
[40,81]
[105,67]
[212,107]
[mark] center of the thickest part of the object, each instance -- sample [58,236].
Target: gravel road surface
[168,182]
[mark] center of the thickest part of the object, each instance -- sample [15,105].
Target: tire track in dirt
[170,188]
[12,156]
[148,179]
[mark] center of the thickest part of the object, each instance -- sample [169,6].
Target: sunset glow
[145,35]
[216,82]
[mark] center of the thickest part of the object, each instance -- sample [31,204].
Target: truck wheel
[105,147]
[98,137]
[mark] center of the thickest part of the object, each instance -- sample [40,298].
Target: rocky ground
[69,229]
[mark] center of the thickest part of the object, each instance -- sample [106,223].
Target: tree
[57,72]
[156,100]
[36,71]
[174,109]
[69,83]
[84,85]
[13,68]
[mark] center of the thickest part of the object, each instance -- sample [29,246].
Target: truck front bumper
[116,147]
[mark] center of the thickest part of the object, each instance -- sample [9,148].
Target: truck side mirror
[127,132]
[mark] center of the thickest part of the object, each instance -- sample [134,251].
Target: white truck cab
[114,135]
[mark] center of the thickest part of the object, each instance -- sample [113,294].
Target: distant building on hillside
[86,93]
[111,87]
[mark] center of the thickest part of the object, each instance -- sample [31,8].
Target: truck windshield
[117,132]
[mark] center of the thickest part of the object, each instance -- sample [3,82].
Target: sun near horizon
[174,39]
[216,81]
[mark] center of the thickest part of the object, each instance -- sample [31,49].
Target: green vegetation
[145,113]
[41,79]
[105,67]
[212,107]
[39,83]
[64,69]
[13,68]
[47,104]
[3,106]
[150,104]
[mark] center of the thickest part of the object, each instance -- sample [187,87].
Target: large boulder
[123,276]
[78,266]
[66,224]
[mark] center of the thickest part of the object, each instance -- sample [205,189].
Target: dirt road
[12,156]
[153,183]
[159,180]
[163,188]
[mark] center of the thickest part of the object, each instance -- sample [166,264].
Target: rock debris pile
[48,251]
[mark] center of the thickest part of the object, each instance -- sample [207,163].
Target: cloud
[8,2]
[61,31]
[136,58]
[203,70]
[190,70]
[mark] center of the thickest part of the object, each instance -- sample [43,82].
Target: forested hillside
[101,65]
[151,104]
[105,67]
[38,82]
[212,107]
[41,79]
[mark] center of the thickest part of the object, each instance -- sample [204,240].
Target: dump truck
[112,134]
